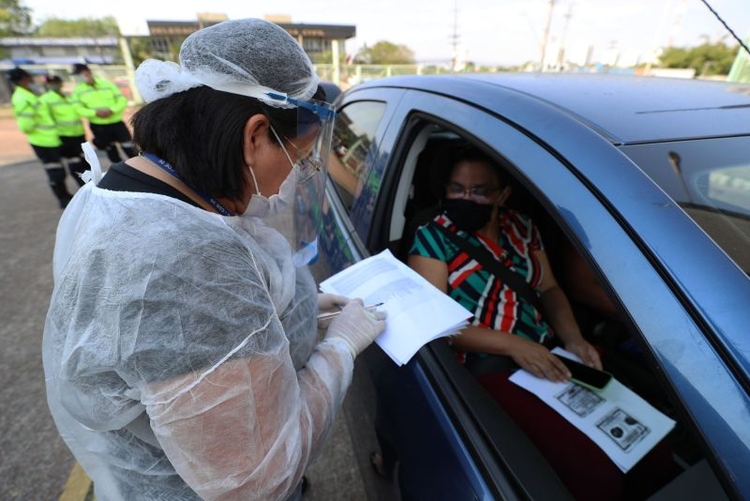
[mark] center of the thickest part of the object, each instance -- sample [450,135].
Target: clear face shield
[308,151]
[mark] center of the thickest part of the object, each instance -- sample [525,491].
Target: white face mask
[261,206]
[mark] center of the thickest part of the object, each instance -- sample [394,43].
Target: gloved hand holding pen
[356,326]
[329,303]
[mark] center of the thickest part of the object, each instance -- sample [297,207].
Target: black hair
[200,133]
[17,74]
[456,152]
[79,68]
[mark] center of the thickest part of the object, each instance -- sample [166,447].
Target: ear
[254,136]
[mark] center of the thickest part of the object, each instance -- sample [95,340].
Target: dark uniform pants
[106,137]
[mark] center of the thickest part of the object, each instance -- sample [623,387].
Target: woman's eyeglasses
[477,193]
[307,165]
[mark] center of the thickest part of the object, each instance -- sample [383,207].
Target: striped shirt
[495,305]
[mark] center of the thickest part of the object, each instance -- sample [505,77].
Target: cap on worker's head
[249,53]
[249,57]
[79,68]
[52,79]
[17,74]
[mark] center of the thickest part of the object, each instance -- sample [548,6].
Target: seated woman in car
[517,319]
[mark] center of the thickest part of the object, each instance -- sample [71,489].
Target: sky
[486,32]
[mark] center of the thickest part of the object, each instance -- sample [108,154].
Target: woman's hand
[538,360]
[330,303]
[586,352]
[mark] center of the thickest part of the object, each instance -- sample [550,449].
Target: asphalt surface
[34,462]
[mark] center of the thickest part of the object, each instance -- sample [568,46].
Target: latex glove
[329,303]
[356,327]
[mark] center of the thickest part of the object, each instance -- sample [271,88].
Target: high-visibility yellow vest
[88,98]
[34,119]
[64,114]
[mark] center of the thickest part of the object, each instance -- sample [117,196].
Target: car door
[437,416]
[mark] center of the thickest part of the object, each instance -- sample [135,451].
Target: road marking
[77,486]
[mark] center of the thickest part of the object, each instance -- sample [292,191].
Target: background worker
[69,126]
[34,120]
[101,103]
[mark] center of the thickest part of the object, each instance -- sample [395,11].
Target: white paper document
[624,425]
[417,312]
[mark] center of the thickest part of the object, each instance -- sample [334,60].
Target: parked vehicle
[647,179]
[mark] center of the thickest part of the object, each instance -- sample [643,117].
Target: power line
[726,26]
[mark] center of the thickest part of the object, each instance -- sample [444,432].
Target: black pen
[332,314]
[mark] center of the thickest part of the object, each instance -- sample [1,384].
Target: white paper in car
[417,312]
[620,422]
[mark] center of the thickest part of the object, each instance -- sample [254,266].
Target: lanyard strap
[167,167]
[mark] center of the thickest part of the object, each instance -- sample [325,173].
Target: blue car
[646,181]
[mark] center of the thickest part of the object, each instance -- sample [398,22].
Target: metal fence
[344,76]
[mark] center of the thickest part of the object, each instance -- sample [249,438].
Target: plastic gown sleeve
[247,426]
[245,431]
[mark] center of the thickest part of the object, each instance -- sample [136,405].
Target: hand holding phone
[585,375]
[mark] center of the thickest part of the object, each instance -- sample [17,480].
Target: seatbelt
[509,277]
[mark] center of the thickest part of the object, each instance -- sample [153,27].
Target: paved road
[34,462]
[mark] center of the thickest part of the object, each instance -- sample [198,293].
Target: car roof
[625,108]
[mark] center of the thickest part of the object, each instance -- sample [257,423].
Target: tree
[706,59]
[327,57]
[15,19]
[84,27]
[140,49]
[384,52]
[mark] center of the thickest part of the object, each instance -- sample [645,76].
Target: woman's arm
[581,283]
[559,314]
[530,355]
[247,428]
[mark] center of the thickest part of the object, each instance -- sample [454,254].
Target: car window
[710,180]
[729,186]
[353,135]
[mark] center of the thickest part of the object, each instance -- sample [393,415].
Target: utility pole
[336,75]
[454,37]
[127,58]
[561,49]
[546,34]
[675,30]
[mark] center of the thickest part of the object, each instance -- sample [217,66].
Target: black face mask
[468,215]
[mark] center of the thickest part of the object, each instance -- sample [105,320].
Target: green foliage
[327,57]
[384,52]
[84,27]
[15,19]
[706,59]
[140,49]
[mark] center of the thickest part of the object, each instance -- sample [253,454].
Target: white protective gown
[180,352]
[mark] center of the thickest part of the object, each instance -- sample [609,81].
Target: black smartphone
[585,375]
